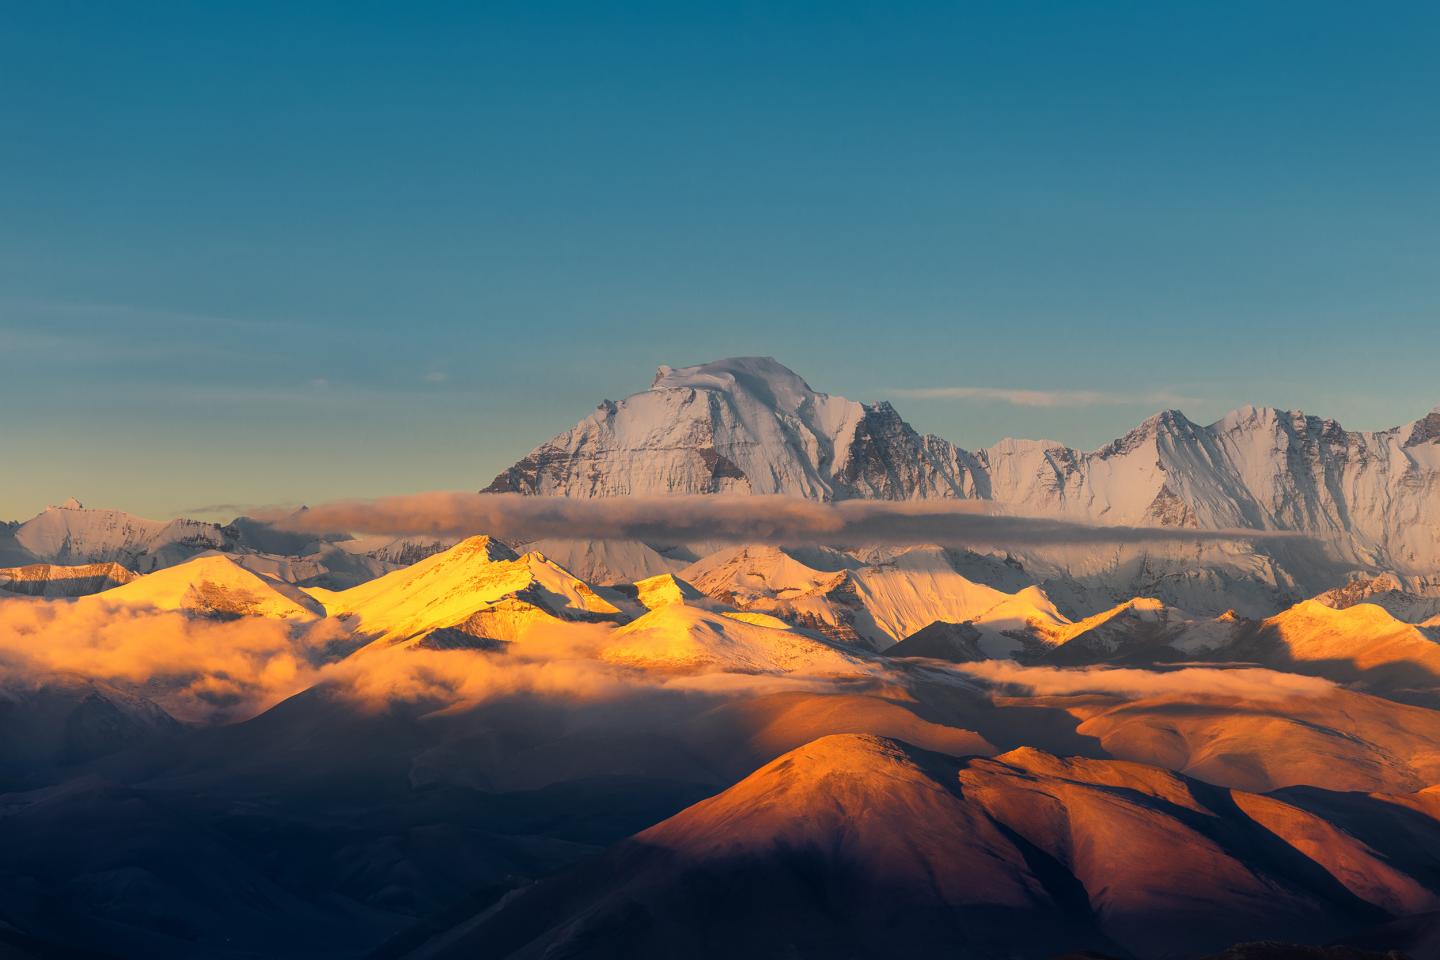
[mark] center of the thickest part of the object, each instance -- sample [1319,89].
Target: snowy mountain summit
[751,425]
[743,425]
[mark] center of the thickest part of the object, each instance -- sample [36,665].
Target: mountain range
[231,740]
[1366,503]
[751,425]
[70,535]
[481,754]
[1363,505]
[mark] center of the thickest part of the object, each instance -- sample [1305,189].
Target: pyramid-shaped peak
[1170,417]
[665,589]
[1166,423]
[69,503]
[1248,415]
[1169,421]
[1425,430]
[481,547]
[213,584]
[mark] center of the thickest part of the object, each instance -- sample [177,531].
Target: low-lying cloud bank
[548,661]
[1245,682]
[223,671]
[738,519]
[197,669]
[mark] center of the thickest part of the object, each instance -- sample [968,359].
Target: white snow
[212,585]
[476,577]
[743,425]
[682,637]
[750,425]
[873,604]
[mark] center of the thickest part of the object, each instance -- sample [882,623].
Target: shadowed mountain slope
[863,846]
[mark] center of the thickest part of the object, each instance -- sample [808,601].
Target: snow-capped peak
[741,425]
[479,585]
[213,585]
[482,549]
[71,534]
[765,378]
[1424,430]
[750,425]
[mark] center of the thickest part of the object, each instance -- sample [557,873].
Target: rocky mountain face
[1367,502]
[54,580]
[1414,600]
[70,534]
[745,425]
[1374,498]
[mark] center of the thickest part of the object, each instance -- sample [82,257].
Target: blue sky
[260,253]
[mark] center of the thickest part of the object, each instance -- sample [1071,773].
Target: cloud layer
[195,668]
[736,519]
[213,671]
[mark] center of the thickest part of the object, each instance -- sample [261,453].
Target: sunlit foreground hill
[484,755]
[855,844]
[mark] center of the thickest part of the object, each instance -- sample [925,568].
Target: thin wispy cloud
[1049,398]
[227,509]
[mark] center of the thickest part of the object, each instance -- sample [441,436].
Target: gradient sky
[274,252]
